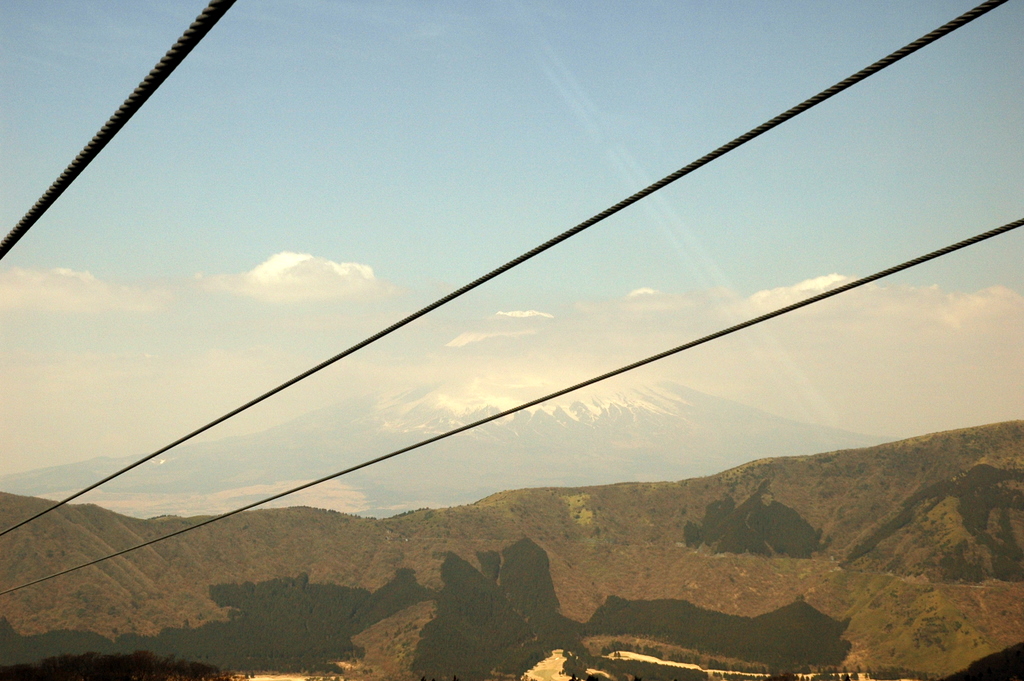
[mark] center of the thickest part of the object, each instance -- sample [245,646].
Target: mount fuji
[660,432]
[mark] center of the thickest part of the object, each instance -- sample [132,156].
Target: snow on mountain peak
[441,411]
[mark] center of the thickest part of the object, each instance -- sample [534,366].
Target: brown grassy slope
[623,539]
[167,584]
[390,645]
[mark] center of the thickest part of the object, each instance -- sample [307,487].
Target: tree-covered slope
[283,624]
[788,638]
[966,528]
[872,536]
[481,626]
[1004,665]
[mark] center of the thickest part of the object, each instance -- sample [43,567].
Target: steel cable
[526,405]
[196,32]
[931,37]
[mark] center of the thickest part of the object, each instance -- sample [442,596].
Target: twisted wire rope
[181,49]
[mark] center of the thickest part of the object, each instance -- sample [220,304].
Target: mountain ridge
[627,540]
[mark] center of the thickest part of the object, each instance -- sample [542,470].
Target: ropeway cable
[927,39]
[195,32]
[526,405]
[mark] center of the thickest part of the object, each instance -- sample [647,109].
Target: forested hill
[915,544]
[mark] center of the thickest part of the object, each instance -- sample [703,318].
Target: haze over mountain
[661,432]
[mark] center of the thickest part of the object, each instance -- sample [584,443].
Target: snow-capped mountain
[662,432]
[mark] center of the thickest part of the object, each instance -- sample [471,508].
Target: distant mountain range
[663,432]
[901,557]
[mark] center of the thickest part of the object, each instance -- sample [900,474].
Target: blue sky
[432,142]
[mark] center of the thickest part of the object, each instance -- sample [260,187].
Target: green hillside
[969,524]
[915,545]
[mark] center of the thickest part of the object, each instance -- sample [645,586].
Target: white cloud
[520,314]
[477,336]
[642,292]
[288,277]
[64,290]
[787,295]
[497,327]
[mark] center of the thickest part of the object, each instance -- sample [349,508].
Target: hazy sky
[316,170]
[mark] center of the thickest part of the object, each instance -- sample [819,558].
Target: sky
[316,170]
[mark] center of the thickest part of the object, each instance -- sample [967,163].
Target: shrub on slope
[139,666]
